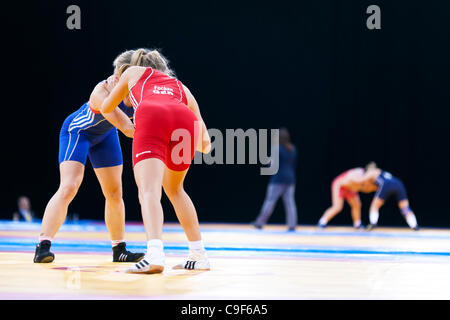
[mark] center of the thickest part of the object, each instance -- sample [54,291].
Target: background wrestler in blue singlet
[385,185]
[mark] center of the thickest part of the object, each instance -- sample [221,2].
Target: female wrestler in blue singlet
[385,185]
[86,133]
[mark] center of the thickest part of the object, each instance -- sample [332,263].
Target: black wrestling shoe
[42,253]
[257,226]
[120,254]
[416,228]
[321,226]
[371,227]
[360,227]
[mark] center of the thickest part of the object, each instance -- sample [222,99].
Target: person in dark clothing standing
[24,212]
[282,184]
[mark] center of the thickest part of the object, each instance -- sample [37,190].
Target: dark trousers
[274,192]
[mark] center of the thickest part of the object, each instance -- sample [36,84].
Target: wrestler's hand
[205,139]
[206,146]
[127,101]
[128,131]
[111,82]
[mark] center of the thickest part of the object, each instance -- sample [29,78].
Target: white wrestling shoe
[195,261]
[152,263]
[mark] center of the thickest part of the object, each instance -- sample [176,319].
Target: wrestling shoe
[42,253]
[321,226]
[195,261]
[121,254]
[151,263]
[257,226]
[371,227]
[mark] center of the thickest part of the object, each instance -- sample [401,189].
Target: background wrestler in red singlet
[345,187]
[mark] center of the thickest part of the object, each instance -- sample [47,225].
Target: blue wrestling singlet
[86,133]
[389,185]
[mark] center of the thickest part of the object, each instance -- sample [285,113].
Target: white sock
[116,242]
[357,224]
[155,244]
[373,217]
[411,220]
[42,238]
[323,221]
[196,245]
[155,252]
[155,249]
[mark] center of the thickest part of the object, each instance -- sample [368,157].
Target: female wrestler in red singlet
[345,186]
[168,130]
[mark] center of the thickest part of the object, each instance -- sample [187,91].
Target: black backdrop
[349,95]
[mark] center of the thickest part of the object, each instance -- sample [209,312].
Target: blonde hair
[371,165]
[144,58]
[123,58]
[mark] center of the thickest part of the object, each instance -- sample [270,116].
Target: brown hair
[285,139]
[144,58]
